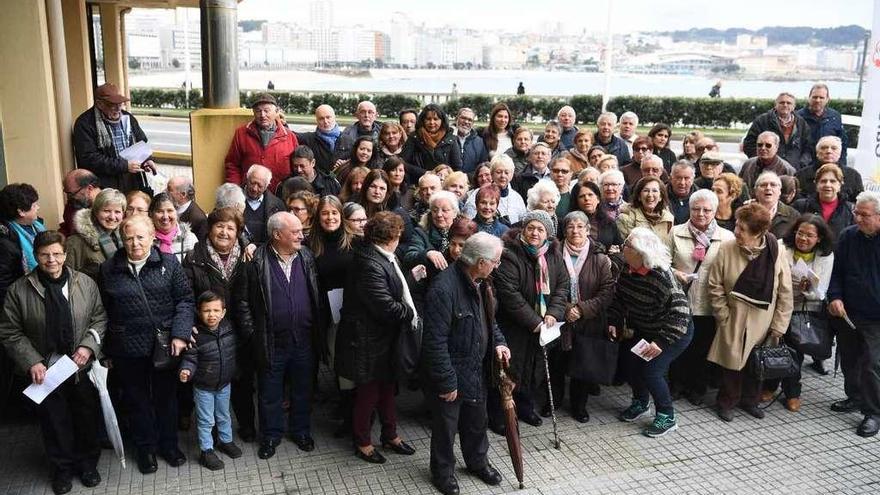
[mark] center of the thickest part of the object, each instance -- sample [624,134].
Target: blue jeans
[648,378]
[296,364]
[211,405]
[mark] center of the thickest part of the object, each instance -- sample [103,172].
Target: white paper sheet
[640,348]
[800,271]
[335,297]
[138,152]
[55,376]
[549,334]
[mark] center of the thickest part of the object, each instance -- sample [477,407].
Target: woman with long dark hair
[498,135]
[363,154]
[433,143]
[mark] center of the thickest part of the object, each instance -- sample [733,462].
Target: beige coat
[742,326]
[681,247]
[631,218]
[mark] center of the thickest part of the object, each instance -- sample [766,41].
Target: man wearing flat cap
[101,133]
[263,141]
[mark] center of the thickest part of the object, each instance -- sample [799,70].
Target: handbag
[593,359]
[769,362]
[161,356]
[809,333]
[409,349]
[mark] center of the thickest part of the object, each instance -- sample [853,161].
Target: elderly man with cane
[459,344]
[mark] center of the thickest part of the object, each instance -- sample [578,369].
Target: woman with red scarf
[432,144]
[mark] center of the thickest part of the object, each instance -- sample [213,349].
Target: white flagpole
[868,160]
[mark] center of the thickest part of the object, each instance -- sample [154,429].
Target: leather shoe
[62,483]
[401,448]
[488,474]
[793,404]
[582,417]
[819,367]
[724,414]
[546,411]
[753,411]
[766,396]
[532,419]
[869,426]
[449,486]
[174,458]
[147,462]
[373,457]
[305,443]
[846,405]
[267,448]
[90,478]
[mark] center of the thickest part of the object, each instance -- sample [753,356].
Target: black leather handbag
[769,362]
[161,356]
[810,334]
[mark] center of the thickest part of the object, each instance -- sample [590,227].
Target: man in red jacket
[265,141]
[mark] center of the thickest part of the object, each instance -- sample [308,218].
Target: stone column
[219,53]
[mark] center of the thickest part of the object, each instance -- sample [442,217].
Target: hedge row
[676,111]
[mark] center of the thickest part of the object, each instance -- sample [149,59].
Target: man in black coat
[795,146]
[327,142]
[260,203]
[183,195]
[828,150]
[278,304]
[101,133]
[460,342]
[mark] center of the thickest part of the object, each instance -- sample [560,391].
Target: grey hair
[629,116]
[654,252]
[480,246]
[277,221]
[767,175]
[835,139]
[682,164]
[428,176]
[704,195]
[656,160]
[611,173]
[229,195]
[770,134]
[575,215]
[566,108]
[447,196]
[502,160]
[607,116]
[544,186]
[108,197]
[466,109]
[590,169]
[869,197]
[255,168]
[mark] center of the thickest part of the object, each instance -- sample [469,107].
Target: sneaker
[635,411]
[210,460]
[663,424]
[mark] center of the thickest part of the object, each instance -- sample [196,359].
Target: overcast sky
[629,15]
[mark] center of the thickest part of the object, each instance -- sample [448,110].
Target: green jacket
[23,319]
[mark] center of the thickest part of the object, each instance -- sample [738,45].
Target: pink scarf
[165,240]
[574,269]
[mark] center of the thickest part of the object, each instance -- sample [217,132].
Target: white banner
[868,161]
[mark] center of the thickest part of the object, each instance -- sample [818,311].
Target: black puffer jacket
[252,303]
[131,330]
[420,159]
[454,328]
[373,313]
[211,362]
[515,284]
[11,268]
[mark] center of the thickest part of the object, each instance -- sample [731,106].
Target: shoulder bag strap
[146,301]
[691,282]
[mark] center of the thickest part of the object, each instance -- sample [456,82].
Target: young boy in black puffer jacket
[210,365]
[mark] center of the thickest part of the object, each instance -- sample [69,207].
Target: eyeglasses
[494,263]
[357,220]
[71,194]
[764,145]
[561,171]
[641,148]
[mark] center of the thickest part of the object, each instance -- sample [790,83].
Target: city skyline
[520,14]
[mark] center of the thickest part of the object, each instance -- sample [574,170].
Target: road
[168,134]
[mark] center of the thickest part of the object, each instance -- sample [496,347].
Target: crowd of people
[428,253]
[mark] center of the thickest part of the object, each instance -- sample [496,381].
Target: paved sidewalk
[814,451]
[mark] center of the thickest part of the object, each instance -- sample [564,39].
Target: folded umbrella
[511,431]
[98,376]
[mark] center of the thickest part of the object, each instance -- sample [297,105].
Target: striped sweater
[653,305]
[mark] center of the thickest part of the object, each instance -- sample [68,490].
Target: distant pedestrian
[520,90]
[270,86]
[715,92]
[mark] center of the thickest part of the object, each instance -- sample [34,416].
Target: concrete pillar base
[211,133]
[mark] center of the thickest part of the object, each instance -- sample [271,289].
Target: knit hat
[543,217]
